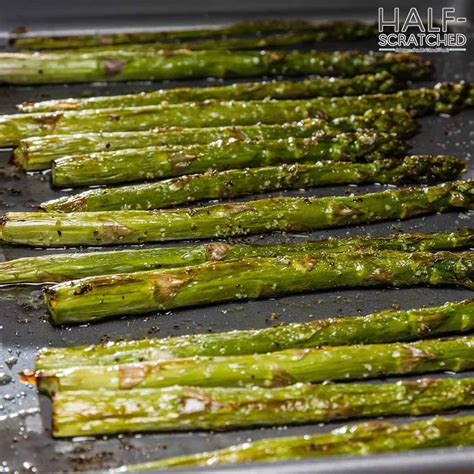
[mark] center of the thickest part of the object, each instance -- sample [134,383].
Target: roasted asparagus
[75,66]
[85,413]
[273,369]
[56,229]
[386,326]
[36,153]
[235,182]
[363,439]
[160,162]
[332,29]
[443,98]
[322,86]
[70,266]
[102,296]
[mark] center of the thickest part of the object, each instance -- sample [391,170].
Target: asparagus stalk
[272,369]
[70,266]
[83,413]
[130,165]
[37,153]
[231,219]
[382,327]
[326,30]
[98,297]
[365,438]
[321,86]
[272,40]
[445,98]
[46,68]
[232,183]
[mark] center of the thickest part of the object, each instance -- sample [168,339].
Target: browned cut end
[21,107]
[19,157]
[28,376]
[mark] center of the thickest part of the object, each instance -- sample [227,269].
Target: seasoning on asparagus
[36,153]
[84,413]
[362,439]
[322,86]
[56,229]
[102,296]
[121,166]
[70,266]
[325,30]
[385,326]
[234,182]
[445,98]
[273,369]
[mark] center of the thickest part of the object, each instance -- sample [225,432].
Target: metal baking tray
[26,444]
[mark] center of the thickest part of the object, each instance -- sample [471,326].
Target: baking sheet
[25,441]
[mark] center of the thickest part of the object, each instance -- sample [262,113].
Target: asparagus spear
[83,413]
[385,326]
[98,297]
[70,266]
[272,369]
[365,438]
[231,183]
[333,29]
[56,229]
[445,98]
[160,162]
[37,153]
[321,86]
[272,40]
[46,68]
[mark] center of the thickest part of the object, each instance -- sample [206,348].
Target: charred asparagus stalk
[321,86]
[365,438]
[231,219]
[70,266]
[386,326]
[325,30]
[272,369]
[83,413]
[98,297]
[231,183]
[141,164]
[37,153]
[445,98]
